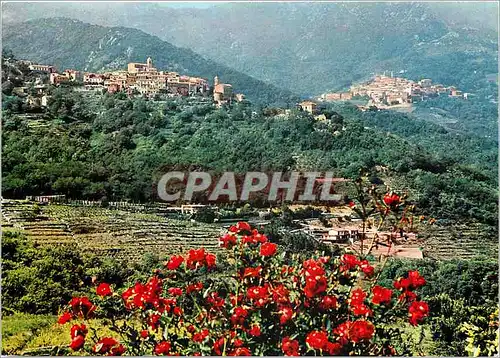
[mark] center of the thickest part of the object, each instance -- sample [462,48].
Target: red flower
[352,204]
[286,314]
[418,311]
[281,294]
[228,240]
[241,352]
[210,260]
[268,249]
[381,295]
[415,279]
[317,340]
[178,311]
[144,334]
[118,350]
[255,331]
[175,291]
[200,336]
[367,269]
[195,287]
[354,331]
[333,349]
[361,330]
[407,296]
[174,262]
[82,307]
[258,294]
[348,262]
[162,348]
[392,199]
[328,302]
[78,330]
[239,315]
[104,289]
[77,343]
[219,346]
[252,272]
[402,283]
[240,226]
[104,345]
[290,347]
[65,317]
[358,296]
[154,321]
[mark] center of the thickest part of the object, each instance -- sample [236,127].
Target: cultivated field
[129,235]
[109,232]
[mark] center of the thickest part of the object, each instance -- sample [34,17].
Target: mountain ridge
[69,43]
[312,48]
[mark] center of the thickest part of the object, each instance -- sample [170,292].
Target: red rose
[317,340]
[259,295]
[255,331]
[348,262]
[195,287]
[77,343]
[268,249]
[392,199]
[415,279]
[219,346]
[239,315]
[240,226]
[104,345]
[227,241]
[286,314]
[104,289]
[252,272]
[175,291]
[418,311]
[328,302]
[210,260]
[361,330]
[82,307]
[200,336]
[162,348]
[367,269]
[333,349]
[290,347]
[402,283]
[381,295]
[241,352]
[65,317]
[144,334]
[174,262]
[117,350]
[78,330]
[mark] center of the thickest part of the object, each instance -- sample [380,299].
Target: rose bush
[271,303]
[261,301]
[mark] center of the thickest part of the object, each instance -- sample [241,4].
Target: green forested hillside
[73,44]
[110,146]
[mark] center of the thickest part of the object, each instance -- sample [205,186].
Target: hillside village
[138,79]
[386,92]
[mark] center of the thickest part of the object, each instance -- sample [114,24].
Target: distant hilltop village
[388,92]
[139,78]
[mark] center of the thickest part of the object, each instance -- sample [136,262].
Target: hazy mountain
[68,43]
[313,47]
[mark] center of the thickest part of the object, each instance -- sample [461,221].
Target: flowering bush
[265,302]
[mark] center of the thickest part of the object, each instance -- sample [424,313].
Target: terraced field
[129,235]
[459,241]
[114,233]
